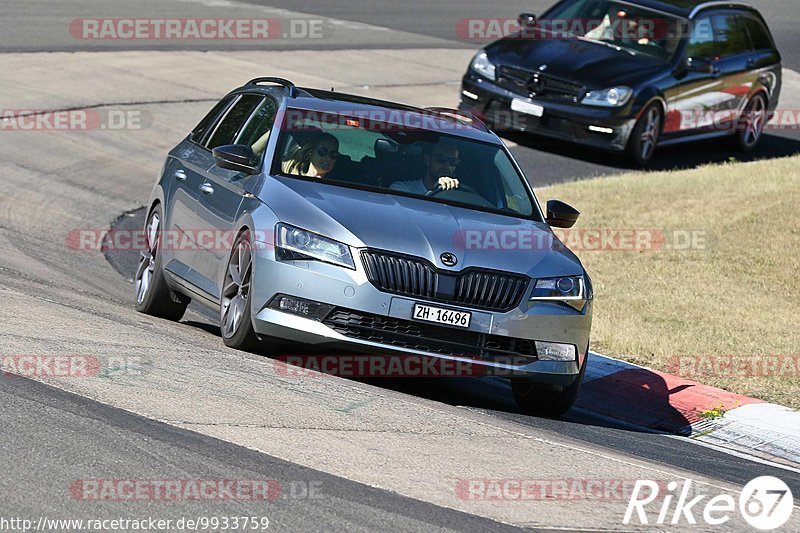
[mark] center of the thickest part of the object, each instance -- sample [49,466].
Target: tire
[538,399]
[750,126]
[645,135]
[235,323]
[151,292]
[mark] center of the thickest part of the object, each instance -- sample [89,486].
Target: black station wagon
[631,74]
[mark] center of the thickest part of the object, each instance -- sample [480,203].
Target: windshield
[395,157]
[634,28]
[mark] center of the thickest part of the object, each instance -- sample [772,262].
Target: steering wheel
[438,190]
[464,193]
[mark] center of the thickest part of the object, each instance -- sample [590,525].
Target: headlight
[569,289]
[482,65]
[293,244]
[613,97]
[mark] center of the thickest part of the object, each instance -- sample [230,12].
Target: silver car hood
[420,228]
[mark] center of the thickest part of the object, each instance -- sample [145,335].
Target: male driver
[440,165]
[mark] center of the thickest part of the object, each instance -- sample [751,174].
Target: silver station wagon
[347,223]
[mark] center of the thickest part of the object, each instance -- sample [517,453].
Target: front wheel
[646,133]
[750,126]
[153,296]
[235,323]
[539,399]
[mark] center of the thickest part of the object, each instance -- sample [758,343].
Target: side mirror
[526,19]
[699,64]
[561,215]
[236,157]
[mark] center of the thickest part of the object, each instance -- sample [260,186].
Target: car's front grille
[429,338]
[524,80]
[416,277]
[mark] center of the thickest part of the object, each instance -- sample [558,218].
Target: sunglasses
[451,161]
[324,152]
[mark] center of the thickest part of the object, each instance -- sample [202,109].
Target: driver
[440,166]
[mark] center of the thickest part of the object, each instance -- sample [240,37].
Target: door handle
[206,188]
[180,175]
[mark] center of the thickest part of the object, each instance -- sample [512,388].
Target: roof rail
[462,116]
[290,87]
[705,5]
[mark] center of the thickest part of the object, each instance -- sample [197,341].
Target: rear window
[759,34]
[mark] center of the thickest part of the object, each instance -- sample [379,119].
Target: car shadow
[635,400]
[676,157]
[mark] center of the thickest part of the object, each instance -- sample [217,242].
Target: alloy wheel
[754,118]
[650,133]
[147,262]
[236,290]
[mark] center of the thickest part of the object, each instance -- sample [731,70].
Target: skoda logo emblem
[448,259]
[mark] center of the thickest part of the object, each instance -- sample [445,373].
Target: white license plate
[442,316]
[529,108]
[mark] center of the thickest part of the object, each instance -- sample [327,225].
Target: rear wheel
[235,321]
[751,124]
[539,399]
[153,296]
[646,133]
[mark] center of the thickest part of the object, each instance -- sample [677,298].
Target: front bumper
[562,119]
[367,320]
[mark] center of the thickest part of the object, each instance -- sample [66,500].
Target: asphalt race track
[170,402]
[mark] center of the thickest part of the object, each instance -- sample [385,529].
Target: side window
[256,132]
[759,35]
[208,121]
[701,43]
[232,122]
[731,37]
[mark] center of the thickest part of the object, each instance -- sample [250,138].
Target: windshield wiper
[604,43]
[589,39]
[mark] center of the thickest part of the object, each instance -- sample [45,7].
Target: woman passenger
[316,158]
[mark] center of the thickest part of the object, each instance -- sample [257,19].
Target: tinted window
[256,132]
[701,43]
[234,120]
[731,37]
[200,129]
[759,35]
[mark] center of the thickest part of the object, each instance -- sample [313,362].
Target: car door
[186,169]
[223,190]
[736,62]
[765,59]
[696,98]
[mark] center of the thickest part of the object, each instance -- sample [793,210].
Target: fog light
[300,307]
[471,96]
[553,351]
[600,129]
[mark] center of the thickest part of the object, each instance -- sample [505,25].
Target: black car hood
[593,65]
